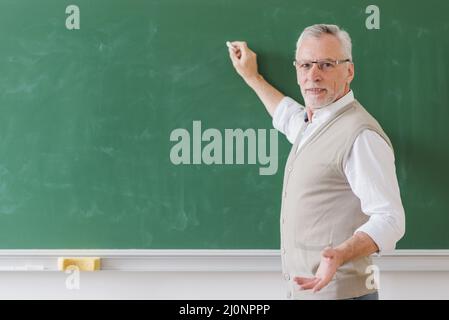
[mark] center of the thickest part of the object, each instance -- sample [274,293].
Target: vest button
[286,276]
[285,194]
[289,169]
[289,294]
[283,250]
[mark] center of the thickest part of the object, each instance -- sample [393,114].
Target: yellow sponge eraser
[81,263]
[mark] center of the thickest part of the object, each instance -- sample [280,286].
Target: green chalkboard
[87,115]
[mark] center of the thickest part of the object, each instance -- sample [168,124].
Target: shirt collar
[324,113]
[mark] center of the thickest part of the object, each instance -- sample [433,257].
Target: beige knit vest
[319,208]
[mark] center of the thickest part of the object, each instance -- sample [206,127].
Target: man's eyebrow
[332,59]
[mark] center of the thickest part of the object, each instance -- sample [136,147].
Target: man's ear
[350,72]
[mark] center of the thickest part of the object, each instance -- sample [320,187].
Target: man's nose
[315,74]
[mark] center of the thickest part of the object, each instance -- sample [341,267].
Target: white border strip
[413,260]
[205,260]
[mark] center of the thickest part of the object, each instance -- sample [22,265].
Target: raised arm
[244,61]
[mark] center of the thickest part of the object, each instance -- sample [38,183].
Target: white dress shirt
[370,170]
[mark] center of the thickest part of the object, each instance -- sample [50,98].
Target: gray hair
[318,30]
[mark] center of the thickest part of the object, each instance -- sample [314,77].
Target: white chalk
[229,45]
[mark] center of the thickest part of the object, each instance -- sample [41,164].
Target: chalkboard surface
[87,117]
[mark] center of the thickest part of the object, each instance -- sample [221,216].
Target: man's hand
[330,262]
[244,60]
[245,63]
[359,245]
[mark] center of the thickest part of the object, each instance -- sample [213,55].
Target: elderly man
[340,199]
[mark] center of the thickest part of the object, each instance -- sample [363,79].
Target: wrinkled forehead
[317,48]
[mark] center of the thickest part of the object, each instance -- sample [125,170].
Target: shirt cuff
[279,115]
[382,233]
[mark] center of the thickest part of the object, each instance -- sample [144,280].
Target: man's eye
[305,65]
[327,65]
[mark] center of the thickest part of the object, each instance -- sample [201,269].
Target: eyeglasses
[325,65]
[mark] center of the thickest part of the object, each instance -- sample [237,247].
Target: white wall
[414,285]
[197,285]
[144,285]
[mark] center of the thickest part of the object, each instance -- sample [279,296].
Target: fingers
[235,52]
[302,280]
[320,285]
[234,57]
[243,59]
[239,44]
[239,47]
[307,283]
[310,285]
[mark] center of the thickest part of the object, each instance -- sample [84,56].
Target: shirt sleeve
[371,173]
[288,118]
